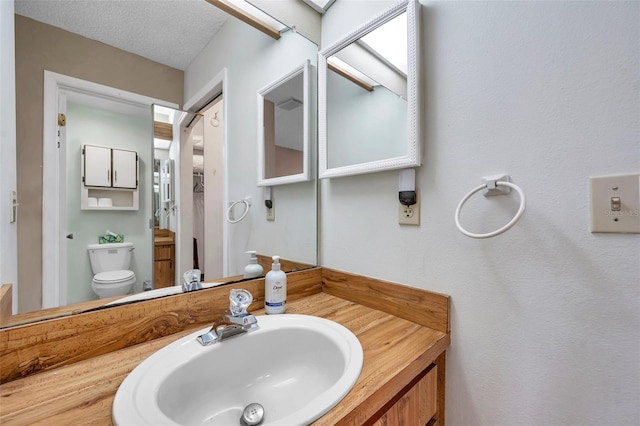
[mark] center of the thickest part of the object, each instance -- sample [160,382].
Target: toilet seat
[113,283]
[113,277]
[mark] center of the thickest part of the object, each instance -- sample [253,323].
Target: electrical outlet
[410,215]
[271,213]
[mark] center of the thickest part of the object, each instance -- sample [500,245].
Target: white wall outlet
[410,215]
[271,213]
[615,204]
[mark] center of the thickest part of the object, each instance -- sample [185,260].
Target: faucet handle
[239,301]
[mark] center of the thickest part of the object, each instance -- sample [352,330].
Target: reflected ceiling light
[163,114]
[389,42]
[161,143]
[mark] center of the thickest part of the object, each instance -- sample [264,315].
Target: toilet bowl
[110,263]
[113,283]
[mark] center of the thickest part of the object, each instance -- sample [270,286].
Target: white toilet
[110,263]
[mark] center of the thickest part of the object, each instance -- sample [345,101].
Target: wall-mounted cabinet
[109,178]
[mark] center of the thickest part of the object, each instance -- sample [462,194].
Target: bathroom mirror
[163,191]
[369,99]
[254,69]
[284,108]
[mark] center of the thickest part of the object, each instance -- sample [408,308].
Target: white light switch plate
[615,204]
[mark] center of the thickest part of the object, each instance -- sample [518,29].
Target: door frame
[210,90]
[54,286]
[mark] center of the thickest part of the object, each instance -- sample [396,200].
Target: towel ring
[246,210]
[497,231]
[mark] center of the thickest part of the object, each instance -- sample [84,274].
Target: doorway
[56,279]
[208,191]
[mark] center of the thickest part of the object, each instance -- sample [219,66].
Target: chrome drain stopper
[253,414]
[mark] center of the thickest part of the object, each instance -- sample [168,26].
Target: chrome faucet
[191,280]
[236,321]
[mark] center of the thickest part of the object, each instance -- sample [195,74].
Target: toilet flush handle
[70,236]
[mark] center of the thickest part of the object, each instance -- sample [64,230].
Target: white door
[125,170]
[97,166]
[214,209]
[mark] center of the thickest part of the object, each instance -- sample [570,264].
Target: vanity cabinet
[164,258]
[109,174]
[417,404]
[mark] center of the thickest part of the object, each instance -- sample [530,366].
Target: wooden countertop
[395,351]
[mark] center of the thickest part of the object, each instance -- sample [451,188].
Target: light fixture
[407,187]
[268,202]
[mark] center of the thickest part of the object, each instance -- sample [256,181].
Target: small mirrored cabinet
[284,129]
[109,178]
[368,96]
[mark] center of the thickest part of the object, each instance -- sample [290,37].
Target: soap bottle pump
[253,269]
[275,289]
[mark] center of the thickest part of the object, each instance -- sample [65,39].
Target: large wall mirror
[369,98]
[284,118]
[221,143]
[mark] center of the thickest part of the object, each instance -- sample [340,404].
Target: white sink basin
[296,366]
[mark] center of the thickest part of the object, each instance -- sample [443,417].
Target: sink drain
[253,414]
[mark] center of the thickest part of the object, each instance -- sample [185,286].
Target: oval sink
[296,366]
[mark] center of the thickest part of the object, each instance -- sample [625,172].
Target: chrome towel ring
[492,185]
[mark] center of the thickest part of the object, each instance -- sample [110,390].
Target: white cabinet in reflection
[110,178]
[125,168]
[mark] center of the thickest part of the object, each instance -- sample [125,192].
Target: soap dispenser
[275,289]
[253,269]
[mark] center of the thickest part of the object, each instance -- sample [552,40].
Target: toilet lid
[113,276]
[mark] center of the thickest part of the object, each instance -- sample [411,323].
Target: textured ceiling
[171,32]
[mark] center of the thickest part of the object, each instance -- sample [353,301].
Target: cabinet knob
[70,236]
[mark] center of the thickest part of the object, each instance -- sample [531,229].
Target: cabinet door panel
[125,172]
[416,407]
[163,273]
[97,166]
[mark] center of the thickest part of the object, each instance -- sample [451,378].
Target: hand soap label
[278,295]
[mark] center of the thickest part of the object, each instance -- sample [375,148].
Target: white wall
[8,231]
[261,61]
[87,125]
[546,317]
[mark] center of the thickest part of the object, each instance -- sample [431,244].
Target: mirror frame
[305,176]
[413,156]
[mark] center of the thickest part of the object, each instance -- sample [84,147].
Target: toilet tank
[110,257]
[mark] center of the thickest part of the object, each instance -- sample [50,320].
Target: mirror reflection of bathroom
[367,96]
[189,188]
[283,128]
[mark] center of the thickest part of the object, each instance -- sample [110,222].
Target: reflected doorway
[208,191]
